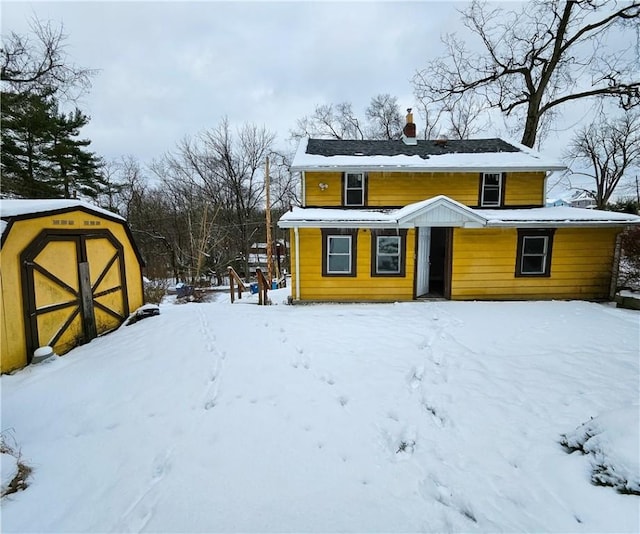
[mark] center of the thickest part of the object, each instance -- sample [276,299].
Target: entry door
[74,288]
[422,267]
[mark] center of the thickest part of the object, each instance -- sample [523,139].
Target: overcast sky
[167,70]
[170,69]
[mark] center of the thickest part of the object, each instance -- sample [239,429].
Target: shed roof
[18,209]
[470,155]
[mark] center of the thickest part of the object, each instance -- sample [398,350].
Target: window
[491,189]
[388,252]
[339,252]
[534,252]
[354,189]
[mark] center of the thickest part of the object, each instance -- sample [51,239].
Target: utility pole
[269,259]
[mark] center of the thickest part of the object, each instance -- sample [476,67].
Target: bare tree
[39,63]
[335,121]
[532,61]
[611,147]
[384,118]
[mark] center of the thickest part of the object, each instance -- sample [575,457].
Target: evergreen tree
[75,170]
[26,130]
[41,155]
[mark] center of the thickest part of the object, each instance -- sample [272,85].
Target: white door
[422,267]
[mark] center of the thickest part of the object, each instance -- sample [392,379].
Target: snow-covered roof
[444,211]
[10,208]
[16,207]
[469,155]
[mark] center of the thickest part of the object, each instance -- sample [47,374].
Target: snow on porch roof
[443,211]
[469,155]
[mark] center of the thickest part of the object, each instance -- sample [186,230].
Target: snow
[556,214]
[613,443]
[553,216]
[18,207]
[524,160]
[407,417]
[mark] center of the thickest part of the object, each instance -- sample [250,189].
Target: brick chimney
[409,130]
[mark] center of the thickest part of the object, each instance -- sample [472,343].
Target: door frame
[448,259]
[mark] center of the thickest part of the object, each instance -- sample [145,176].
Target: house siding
[362,287]
[402,188]
[484,265]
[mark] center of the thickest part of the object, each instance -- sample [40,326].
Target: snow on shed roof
[15,207]
[470,155]
[10,208]
[554,217]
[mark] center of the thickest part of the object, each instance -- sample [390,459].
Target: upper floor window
[534,252]
[354,188]
[491,189]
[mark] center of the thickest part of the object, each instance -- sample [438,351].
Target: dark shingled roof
[397,147]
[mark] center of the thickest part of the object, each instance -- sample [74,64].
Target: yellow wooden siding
[21,234]
[325,196]
[402,188]
[484,263]
[524,189]
[363,287]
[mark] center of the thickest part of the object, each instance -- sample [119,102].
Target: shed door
[74,289]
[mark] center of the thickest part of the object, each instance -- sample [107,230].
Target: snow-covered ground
[429,416]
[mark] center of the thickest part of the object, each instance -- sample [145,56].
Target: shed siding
[21,234]
[363,287]
[484,265]
[402,188]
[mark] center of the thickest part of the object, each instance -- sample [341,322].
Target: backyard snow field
[429,416]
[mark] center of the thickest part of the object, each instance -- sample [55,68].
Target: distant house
[582,199]
[404,219]
[258,256]
[556,203]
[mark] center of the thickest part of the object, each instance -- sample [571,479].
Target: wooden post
[229,269]
[269,244]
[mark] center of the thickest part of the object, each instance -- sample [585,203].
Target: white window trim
[483,203]
[398,254]
[349,254]
[543,255]
[347,188]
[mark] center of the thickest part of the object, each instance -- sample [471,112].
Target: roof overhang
[437,211]
[442,211]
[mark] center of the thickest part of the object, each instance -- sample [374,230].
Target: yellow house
[403,219]
[69,272]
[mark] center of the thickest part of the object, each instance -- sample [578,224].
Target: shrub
[630,258]
[155,290]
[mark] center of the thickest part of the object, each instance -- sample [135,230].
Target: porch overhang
[438,211]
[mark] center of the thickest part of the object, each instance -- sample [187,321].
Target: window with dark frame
[388,250]
[339,252]
[534,252]
[387,254]
[354,189]
[491,189]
